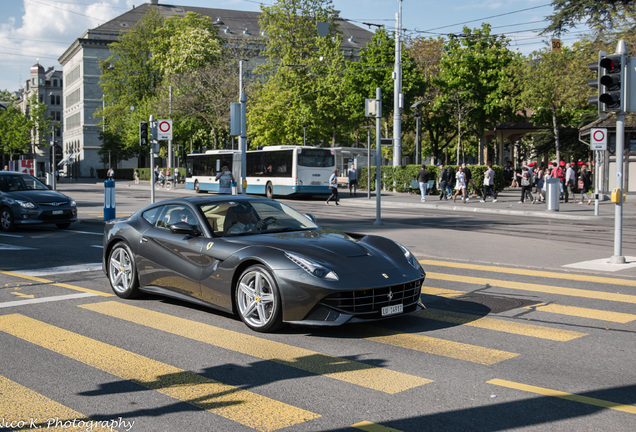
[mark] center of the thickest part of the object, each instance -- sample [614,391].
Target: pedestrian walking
[136,176]
[526,185]
[468,177]
[460,184]
[451,181]
[111,174]
[585,184]
[333,185]
[570,175]
[353,179]
[422,179]
[489,184]
[538,181]
[443,182]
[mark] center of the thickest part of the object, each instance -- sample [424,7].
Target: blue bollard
[109,200]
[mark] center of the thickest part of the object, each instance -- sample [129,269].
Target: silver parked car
[25,200]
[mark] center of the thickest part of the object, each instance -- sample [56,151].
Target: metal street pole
[243,139]
[170,158]
[397,91]
[368,163]
[618,257]
[151,120]
[378,147]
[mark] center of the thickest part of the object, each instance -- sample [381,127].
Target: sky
[41,30]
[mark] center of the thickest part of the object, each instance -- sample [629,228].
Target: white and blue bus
[274,170]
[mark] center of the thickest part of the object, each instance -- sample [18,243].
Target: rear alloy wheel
[258,300]
[6,220]
[122,272]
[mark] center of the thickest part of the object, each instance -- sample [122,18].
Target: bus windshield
[316,158]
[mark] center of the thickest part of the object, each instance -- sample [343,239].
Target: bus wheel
[196,186]
[269,190]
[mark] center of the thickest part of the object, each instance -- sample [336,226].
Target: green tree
[15,131]
[303,76]
[601,15]
[555,89]
[147,59]
[375,69]
[477,72]
[439,128]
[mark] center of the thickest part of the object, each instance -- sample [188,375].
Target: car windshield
[16,183]
[231,218]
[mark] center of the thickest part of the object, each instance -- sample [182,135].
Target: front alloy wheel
[122,273]
[258,300]
[6,219]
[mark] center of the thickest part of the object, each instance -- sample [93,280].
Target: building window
[52,100]
[57,100]
[54,83]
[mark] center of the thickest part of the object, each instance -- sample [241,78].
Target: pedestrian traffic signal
[611,80]
[143,134]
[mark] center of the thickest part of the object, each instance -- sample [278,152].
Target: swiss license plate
[57,212]
[392,310]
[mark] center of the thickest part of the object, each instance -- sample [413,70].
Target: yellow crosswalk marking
[500,325]
[50,282]
[596,314]
[427,344]
[573,292]
[563,395]
[241,406]
[367,426]
[529,272]
[441,292]
[23,408]
[353,372]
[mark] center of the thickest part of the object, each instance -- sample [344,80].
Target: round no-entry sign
[598,139]
[164,129]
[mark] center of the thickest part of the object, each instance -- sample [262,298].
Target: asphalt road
[511,339]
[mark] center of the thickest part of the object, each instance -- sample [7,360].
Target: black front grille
[48,216]
[371,301]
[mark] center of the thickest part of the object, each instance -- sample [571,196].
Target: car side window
[151,215]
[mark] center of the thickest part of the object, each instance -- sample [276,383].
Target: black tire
[64,225]
[122,271]
[196,187]
[269,190]
[258,301]
[6,220]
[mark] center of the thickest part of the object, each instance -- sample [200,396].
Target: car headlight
[72,203]
[312,267]
[409,257]
[26,204]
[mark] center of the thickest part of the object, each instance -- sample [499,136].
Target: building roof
[243,25]
[609,123]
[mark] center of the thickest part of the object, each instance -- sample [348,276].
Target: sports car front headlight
[26,204]
[312,267]
[409,257]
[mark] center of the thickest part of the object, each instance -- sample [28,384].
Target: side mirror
[184,228]
[310,217]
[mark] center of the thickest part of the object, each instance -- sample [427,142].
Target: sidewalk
[507,202]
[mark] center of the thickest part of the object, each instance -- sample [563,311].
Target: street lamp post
[418,116]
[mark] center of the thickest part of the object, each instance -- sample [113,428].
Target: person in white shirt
[570,178]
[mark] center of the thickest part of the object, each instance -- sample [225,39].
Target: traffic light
[611,80]
[143,134]
[596,83]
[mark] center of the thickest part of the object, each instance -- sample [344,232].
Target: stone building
[48,86]
[83,95]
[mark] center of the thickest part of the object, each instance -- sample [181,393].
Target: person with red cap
[557,173]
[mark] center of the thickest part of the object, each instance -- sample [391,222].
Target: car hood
[322,244]
[39,196]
